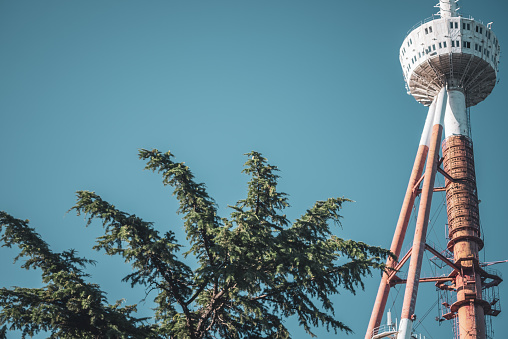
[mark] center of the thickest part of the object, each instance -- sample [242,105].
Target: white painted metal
[388,331]
[405,328]
[450,51]
[390,335]
[427,129]
[442,98]
[455,119]
[448,8]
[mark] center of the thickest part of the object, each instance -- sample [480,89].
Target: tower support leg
[404,216]
[419,240]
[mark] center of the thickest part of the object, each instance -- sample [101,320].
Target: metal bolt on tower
[449,64]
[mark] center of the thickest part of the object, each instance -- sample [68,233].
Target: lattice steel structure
[449,64]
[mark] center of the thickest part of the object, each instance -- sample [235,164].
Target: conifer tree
[253,269]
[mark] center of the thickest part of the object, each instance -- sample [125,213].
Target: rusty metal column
[400,230]
[413,278]
[463,218]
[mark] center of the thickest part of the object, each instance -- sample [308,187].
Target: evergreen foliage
[252,270]
[67,306]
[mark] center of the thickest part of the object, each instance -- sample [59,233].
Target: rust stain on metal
[464,232]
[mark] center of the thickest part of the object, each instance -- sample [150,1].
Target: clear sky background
[316,86]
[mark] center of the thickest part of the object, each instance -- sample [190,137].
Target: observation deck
[454,51]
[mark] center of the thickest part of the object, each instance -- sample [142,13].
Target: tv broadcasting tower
[449,63]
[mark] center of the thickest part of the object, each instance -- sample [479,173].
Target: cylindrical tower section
[447,8]
[463,217]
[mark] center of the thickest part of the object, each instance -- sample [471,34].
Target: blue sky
[316,86]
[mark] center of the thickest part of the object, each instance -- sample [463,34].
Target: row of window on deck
[454,43]
[465,26]
[455,25]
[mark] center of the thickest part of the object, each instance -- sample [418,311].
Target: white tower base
[405,328]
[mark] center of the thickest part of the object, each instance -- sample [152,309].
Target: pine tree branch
[212,307]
